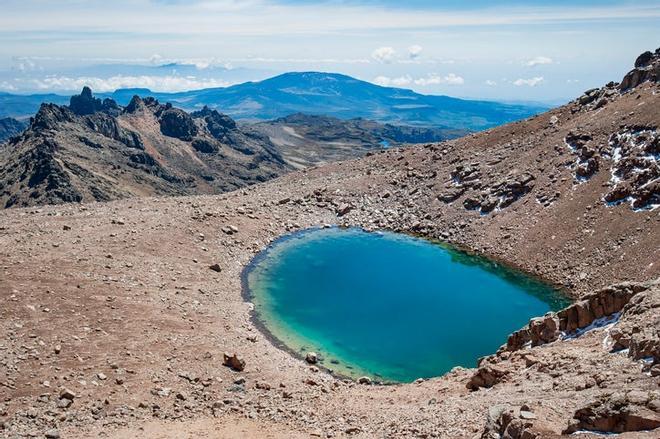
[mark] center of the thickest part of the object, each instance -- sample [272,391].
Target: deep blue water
[389,306]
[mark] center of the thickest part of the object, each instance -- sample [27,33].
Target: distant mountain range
[314,93]
[97,150]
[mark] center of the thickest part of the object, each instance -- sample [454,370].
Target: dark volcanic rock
[205,146]
[94,151]
[41,175]
[218,124]
[644,59]
[108,126]
[49,116]
[134,105]
[85,103]
[177,123]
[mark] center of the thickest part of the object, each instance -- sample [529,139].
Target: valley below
[126,318]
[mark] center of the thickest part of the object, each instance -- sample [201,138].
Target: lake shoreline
[503,271]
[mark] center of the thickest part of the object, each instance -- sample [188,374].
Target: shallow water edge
[458,255]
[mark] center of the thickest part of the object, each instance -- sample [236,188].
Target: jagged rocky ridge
[95,150]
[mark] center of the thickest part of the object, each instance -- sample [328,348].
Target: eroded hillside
[95,150]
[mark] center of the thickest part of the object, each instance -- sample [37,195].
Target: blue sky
[504,50]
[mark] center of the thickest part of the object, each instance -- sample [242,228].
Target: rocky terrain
[107,335]
[10,127]
[306,140]
[95,150]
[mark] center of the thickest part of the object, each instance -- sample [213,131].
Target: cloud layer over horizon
[509,50]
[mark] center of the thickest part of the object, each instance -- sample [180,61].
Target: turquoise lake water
[390,306]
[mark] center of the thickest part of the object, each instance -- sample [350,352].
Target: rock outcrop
[641,340]
[623,305]
[634,152]
[579,315]
[85,103]
[94,150]
[647,68]
[177,123]
[619,413]
[509,422]
[219,125]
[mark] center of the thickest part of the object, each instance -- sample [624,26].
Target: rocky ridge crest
[96,150]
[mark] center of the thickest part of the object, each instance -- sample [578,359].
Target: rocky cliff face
[95,150]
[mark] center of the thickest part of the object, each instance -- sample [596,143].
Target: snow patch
[601,323]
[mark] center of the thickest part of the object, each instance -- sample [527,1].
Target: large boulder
[507,422]
[234,362]
[647,68]
[487,375]
[618,413]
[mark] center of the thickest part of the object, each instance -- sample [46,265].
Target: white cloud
[539,60]
[490,83]
[25,64]
[154,83]
[386,81]
[431,79]
[6,86]
[414,51]
[531,82]
[384,54]
[434,79]
[156,59]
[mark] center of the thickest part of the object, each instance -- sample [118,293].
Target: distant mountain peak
[336,95]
